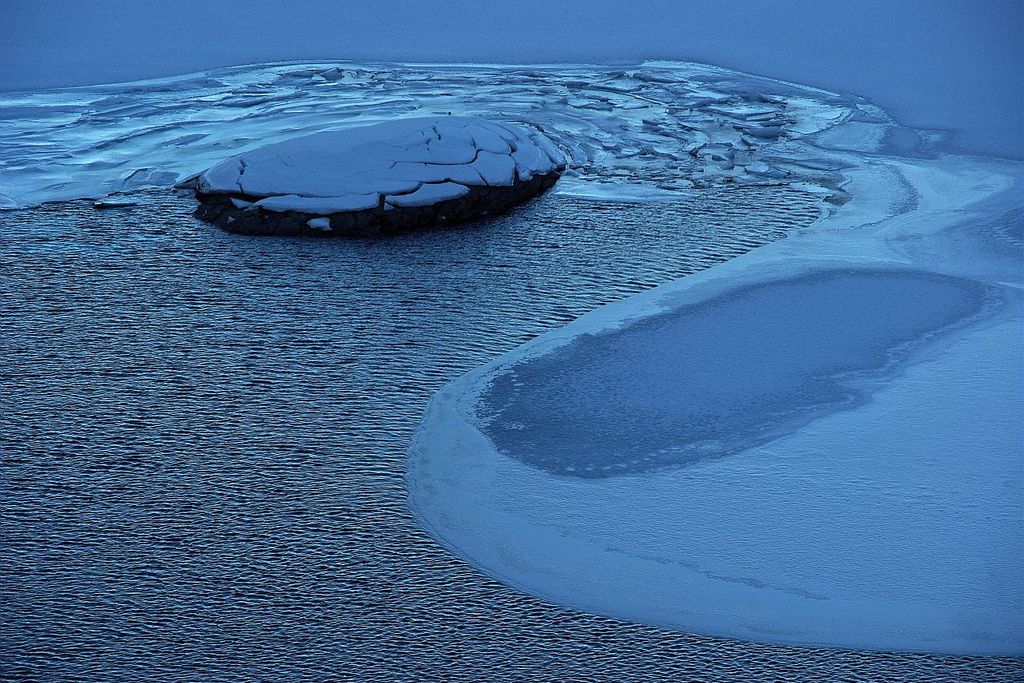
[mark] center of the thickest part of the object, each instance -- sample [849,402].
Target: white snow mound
[410,162]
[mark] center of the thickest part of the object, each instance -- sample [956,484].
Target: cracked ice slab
[317,205]
[716,378]
[402,160]
[656,127]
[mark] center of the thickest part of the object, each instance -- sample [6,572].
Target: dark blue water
[203,441]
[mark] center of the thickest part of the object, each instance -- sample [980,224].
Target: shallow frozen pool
[674,389]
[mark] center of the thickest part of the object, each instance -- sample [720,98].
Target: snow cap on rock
[408,162]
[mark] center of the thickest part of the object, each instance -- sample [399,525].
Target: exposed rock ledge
[387,177]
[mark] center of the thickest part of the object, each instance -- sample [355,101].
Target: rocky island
[392,176]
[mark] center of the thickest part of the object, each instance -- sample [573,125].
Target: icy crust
[859,486]
[676,390]
[380,177]
[627,131]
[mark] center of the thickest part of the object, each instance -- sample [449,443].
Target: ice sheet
[665,126]
[760,450]
[719,376]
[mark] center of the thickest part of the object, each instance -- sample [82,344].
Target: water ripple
[204,439]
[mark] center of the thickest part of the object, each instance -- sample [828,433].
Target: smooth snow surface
[816,443]
[409,162]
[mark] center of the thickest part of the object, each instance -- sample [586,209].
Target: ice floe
[397,175]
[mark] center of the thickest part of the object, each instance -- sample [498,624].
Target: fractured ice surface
[655,126]
[409,162]
[427,194]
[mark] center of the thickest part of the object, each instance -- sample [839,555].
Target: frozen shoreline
[655,128]
[892,525]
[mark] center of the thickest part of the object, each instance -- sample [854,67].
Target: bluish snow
[636,131]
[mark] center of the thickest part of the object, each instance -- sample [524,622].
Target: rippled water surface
[204,440]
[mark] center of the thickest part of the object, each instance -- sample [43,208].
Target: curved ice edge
[535,531]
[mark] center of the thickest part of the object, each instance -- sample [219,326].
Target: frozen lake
[205,438]
[205,435]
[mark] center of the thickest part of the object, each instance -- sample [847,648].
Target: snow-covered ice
[408,162]
[313,205]
[427,194]
[816,443]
